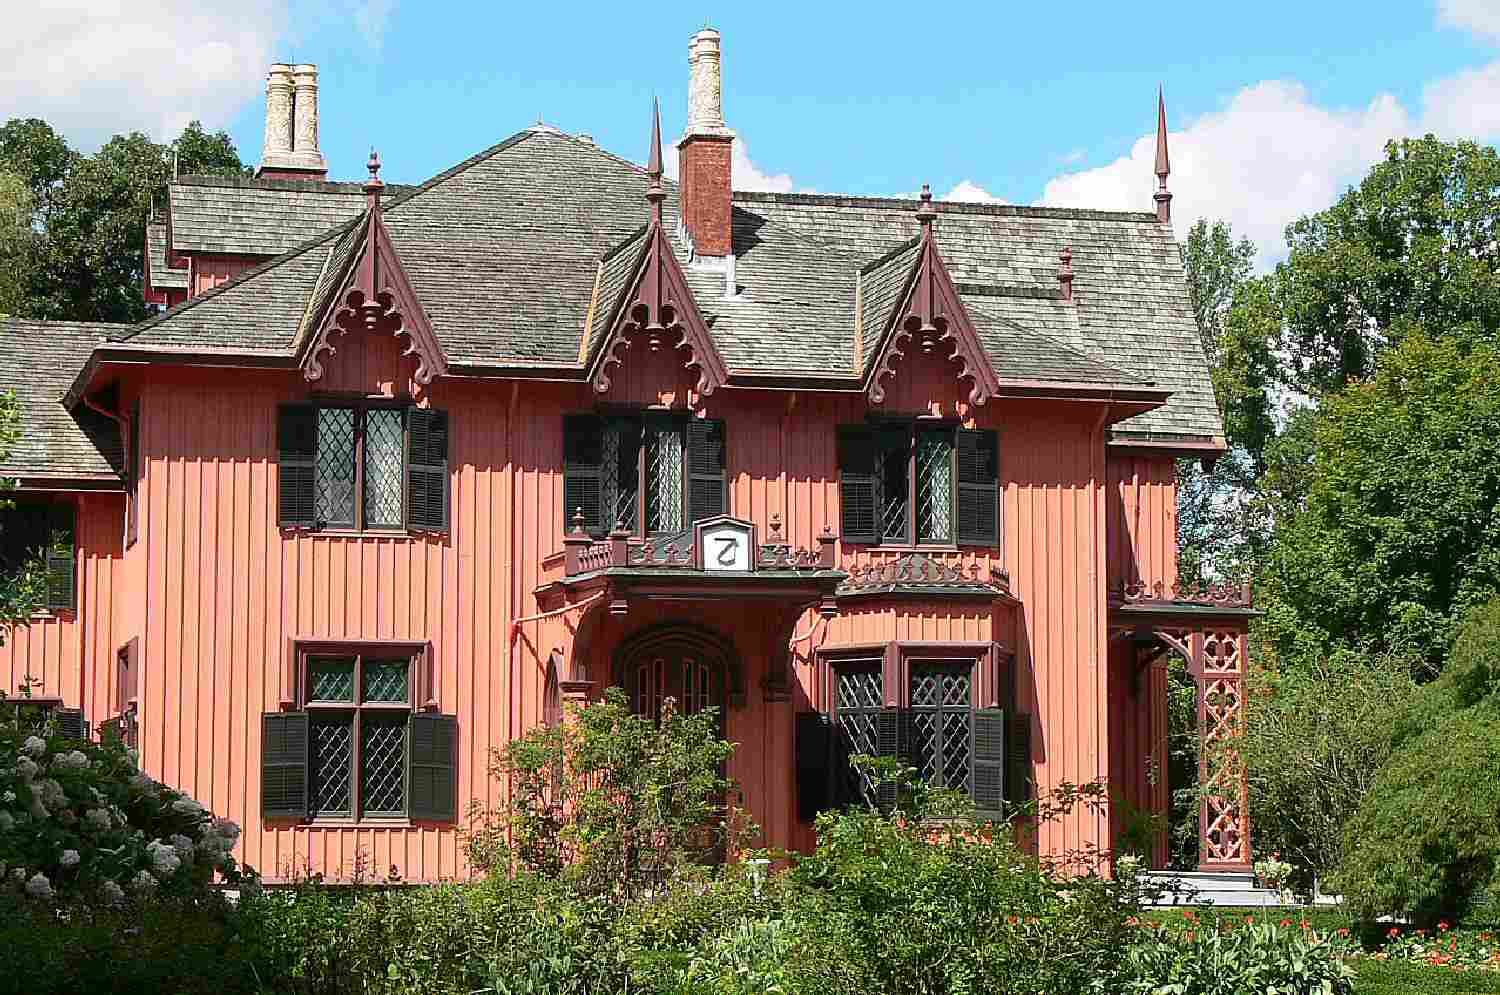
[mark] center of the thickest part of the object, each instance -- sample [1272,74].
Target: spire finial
[1163,164]
[654,192]
[925,211]
[1065,272]
[374,185]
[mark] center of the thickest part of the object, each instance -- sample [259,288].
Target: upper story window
[911,482]
[369,465]
[41,534]
[357,749]
[655,473]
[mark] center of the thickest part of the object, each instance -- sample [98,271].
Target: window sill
[394,822]
[391,535]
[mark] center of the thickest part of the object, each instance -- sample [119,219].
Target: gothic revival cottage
[403,471]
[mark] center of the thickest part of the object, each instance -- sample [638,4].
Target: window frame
[414,653]
[48,552]
[914,426]
[361,406]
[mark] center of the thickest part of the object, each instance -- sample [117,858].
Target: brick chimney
[703,153]
[291,149]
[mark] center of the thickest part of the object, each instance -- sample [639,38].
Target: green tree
[21,591]
[1414,248]
[17,242]
[1386,502]
[87,258]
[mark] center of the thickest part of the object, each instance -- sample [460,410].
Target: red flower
[1344,932]
[1286,922]
[1421,932]
[1012,920]
[1189,915]
[1443,925]
[1132,921]
[1393,932]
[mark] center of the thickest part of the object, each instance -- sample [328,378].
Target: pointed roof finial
[374,185]
[654,192]
[1163,164]
[925,211]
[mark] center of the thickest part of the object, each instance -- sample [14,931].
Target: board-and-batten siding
[223,590]
[72,653]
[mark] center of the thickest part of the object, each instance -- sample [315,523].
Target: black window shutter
[427,469]
[708,488]
[978,455]
[814,747]
[432,767]
[987,755]
[71,724]
[283,765]
[1018,759]
[583,456]
[859,484]
[62,559]
[890,725]
[133,518]
[297,450]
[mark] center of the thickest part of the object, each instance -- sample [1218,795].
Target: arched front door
[692,666]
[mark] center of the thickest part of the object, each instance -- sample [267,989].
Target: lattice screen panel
[860,699]
[332,757]
[934,487]
[386,680]
[330,680]
[384,445]
[383,749]
[333,471]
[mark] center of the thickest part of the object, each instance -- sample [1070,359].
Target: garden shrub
[1214,955]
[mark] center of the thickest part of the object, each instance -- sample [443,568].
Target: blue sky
[1274,107]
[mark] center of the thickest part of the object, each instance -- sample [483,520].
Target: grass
[1388,977]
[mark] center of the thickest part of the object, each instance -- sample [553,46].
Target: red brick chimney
[704,152]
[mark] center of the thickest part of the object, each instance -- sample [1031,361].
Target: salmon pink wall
[207,272]
[218,591]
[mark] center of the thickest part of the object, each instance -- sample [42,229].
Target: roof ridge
[1058,343]
[886,257]
[411,193]
[342,187]
[240,278]
[623,244]
[55,322]
[943,206]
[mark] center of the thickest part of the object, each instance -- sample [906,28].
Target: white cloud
[93,68]
[744,173]
[1465,105]
[970,191]
[1482,17]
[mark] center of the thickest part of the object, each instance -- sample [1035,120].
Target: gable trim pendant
[376,297]
[932,317]
[657,306]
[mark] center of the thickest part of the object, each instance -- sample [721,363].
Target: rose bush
[79,820]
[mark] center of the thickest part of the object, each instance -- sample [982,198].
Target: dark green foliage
[86,259]
[1387,508]
[1385,977]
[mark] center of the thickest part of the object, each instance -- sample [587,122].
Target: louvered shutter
[814,748]
[859,484]
[426,469]
[978,455]
[297,451]
[62,560]
[583,447]
[432,767]
[71,724]
[708,490]
[890,724]
[1018,759]
[133,515]
[987,760]
[283,765]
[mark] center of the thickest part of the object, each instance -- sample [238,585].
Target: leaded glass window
[663,478]
[384,438]
[333,476]
[859,699]
[895,486]
[934,465]
[359,710]
[652,474]
[942,714]
[359,472]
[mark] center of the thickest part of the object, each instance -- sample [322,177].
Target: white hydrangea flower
[143,882]
[251,888]
[34,745]
[8,798]
[37,886]
[18,875]
[227,828]
[26,769]
[111,893]
[72,760]
[99,819]
[164,860]
[183,847]
[187,806]
[70,858]
[53,795]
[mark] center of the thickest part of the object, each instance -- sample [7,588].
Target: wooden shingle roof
[38,360]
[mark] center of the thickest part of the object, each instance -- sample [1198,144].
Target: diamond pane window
[333,475]
[330,680]
[664,479]
[385,680]
[385,440]
[941,718]
[894,489]
[383,764]
[934,486]
[332,756]
[618,465]
[860,698]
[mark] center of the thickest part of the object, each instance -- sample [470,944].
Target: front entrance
[692,666]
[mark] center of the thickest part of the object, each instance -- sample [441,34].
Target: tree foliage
[1413,249]
[86,257]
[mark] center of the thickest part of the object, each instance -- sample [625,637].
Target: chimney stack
[703,153]
[291,150]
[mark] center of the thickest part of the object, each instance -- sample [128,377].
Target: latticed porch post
[1219,662]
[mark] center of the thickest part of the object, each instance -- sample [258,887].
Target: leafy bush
[1215,955]
[79,820]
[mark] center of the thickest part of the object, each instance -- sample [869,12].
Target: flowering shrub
[1208,954]
[1443,947]
[78,820]
[1274,873]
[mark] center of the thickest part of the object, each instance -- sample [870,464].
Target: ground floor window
[357,748]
